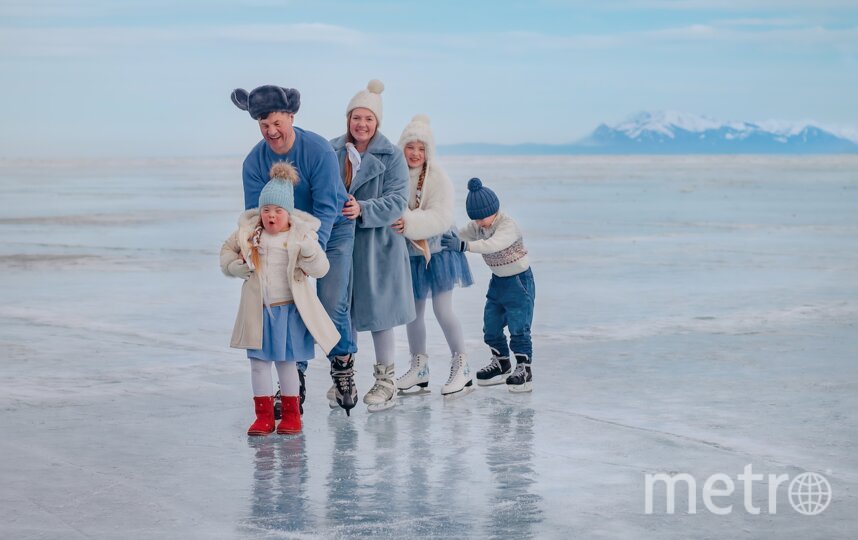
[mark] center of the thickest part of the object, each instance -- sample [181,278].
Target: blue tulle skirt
[447,269]
[284,336]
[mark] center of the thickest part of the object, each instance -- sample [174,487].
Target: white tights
[442,305]
[384,344]
[260,378]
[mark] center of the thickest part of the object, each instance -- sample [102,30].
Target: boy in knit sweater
[509,301]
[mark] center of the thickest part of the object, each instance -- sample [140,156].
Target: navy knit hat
[267,99]
[481,202]
[280,190]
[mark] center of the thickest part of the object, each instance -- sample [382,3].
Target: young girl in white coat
[428,216]
[274,250]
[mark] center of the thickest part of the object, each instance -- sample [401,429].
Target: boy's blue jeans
[333,287]
[509,303]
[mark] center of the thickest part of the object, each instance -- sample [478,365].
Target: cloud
[741,5]
[761,22]
[103,40]
[774,33]
[766,32]
[289,33]
[769,35]
[68,42]
[39,10]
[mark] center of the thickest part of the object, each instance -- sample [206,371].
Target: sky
[148,78]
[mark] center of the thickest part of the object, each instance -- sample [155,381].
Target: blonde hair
[253,240]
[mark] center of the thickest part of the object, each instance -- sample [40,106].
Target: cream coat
[247,333]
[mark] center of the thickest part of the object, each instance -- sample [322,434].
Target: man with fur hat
[319,192]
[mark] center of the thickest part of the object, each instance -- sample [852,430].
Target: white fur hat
[368,99]
[419,130]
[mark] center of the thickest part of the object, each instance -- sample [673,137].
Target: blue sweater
[319,192]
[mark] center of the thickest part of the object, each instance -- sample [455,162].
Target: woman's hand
[399,226]
[352,208]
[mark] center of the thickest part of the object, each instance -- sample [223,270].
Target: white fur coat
[435,214]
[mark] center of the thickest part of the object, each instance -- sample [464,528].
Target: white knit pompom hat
[368,99]
[419,130]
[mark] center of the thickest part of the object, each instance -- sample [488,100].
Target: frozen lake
[694,315]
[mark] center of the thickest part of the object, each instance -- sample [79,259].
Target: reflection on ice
[389,476]
[509,455]
[342,508]
[420,449]
[279,498]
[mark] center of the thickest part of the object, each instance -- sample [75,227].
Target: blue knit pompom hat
[280,190]
[481,202]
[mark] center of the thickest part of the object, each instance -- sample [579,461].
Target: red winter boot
[264,416]
[291,422]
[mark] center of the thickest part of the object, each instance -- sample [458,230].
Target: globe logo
[809,493]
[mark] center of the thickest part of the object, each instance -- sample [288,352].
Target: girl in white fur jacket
[428,216]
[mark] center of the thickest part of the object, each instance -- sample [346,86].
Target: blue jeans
[333,288]
[509,303]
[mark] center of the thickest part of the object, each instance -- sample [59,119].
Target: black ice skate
[521,379]
[342,373]
[496,371]
[302,393]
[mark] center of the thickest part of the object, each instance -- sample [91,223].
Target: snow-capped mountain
[671,132]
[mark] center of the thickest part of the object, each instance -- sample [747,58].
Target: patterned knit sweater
[501,245]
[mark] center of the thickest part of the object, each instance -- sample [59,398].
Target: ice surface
[693,315]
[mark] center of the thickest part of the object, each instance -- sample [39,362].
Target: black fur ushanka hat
[267,99]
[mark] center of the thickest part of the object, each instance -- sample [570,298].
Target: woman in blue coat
[376,179]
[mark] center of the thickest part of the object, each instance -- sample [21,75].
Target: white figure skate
[417,376]
[382,395]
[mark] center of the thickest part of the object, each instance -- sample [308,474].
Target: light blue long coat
[381,274]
